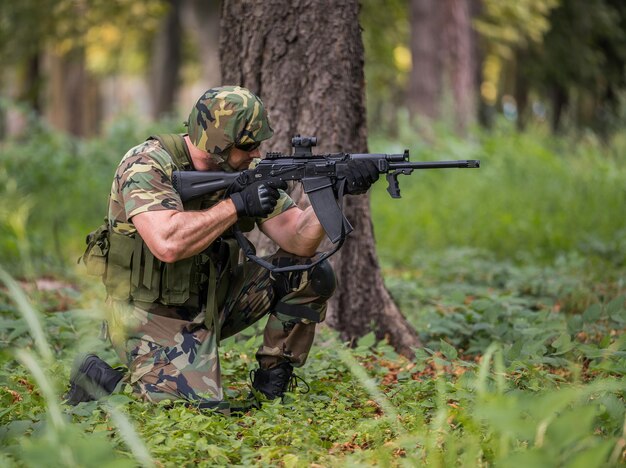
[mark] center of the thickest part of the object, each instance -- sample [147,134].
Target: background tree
[202,20]
[508,30]
[305,59]
[442,77]
[427,61]
[581,63]
[166,61]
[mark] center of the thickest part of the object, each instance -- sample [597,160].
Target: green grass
[533,195]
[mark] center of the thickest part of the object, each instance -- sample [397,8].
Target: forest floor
[522,365]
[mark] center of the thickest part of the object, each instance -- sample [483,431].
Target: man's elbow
[301,250]
[167,252]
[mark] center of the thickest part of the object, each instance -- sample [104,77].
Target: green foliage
[54,190]
[550,392]
[584,55]
[533,194]
[28,27]
[506,26]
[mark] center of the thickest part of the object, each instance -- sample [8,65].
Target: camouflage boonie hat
[228,116]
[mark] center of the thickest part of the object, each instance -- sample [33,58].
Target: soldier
[171,271]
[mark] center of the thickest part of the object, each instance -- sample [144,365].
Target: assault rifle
[323,179]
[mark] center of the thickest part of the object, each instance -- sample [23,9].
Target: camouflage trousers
[175,356]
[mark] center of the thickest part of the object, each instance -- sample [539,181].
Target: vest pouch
[176,281]
[117,279]
[95,256]
[146,273]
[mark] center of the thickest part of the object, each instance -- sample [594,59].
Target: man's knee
[323,280]
[306,299]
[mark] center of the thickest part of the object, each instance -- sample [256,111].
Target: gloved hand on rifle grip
[259,199]
[361,174]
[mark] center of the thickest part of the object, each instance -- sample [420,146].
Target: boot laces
[283,380]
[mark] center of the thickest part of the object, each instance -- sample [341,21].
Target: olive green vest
[131,273]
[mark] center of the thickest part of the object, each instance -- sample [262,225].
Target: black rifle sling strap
[248,248]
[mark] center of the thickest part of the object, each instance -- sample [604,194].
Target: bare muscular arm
[296,231]
[173,235]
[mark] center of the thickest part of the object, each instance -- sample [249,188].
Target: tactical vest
[131,272]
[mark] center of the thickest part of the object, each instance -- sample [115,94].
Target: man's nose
[256,153]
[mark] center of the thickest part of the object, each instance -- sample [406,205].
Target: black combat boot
[274,382]
[91,378]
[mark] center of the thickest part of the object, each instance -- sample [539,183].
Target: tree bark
[305,60]
[427,57]
[166,60]
[442,49]
[460,61]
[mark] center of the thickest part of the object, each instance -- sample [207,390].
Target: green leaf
[290,460]
[593,313]
[593,457]
[448,350]
[563,344]
[367,340]
[571,426]
[616,309]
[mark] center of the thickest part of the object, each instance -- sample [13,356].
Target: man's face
[239,159]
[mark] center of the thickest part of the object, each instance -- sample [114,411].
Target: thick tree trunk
[460,60]
[427,56]
[442,49]
[305,60]
[166,60]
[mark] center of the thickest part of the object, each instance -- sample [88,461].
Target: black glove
[258,199]
[361,174]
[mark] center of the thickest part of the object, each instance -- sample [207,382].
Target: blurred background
[536,89]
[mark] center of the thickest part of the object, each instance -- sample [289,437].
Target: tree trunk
[522,89]
[305,60]
[166,60]
[460,61]
[559,99]
[202,19]
[442,49]
[74,102]
[426,52]
[31,83]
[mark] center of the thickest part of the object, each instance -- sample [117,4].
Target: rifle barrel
[463,164]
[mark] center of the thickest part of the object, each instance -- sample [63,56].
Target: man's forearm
[297,231]
[172,236]
[309,231]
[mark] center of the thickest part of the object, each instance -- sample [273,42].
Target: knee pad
[322,278]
